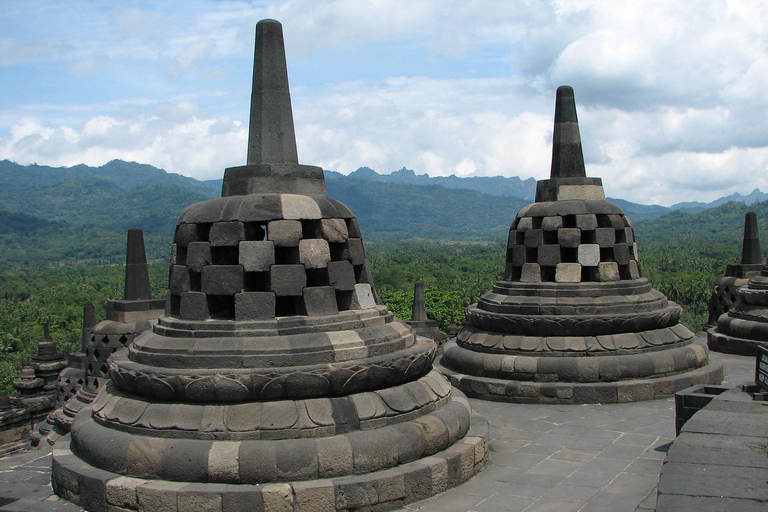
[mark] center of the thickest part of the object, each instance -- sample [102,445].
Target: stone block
[284,233]
[334,456]
[222,279]
[254,305]
[196,497]
[525,224]
[356,251]
[179,280]
[186,234]
[588,255]
[621,254]
[277,497]
[226,234]
[314,253]
[605,237]
[297,460]
[568,273]
[314,496]
[517,255]
[296,206]
[629,236]
[607,271]
[531,273]
[635,254]
[287,280]
[257,256]
[551,223]
[534,237]
[362,297]
[634,270]
[586,221]
[549,255]
[341,275]
[569,237]
[617,221]
[198,255]
[121,492]
[334,230]
[320,300]
[194,306]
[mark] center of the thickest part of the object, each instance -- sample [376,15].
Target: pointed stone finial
[271,137]
[47,332]
[750,247]
[567,156]
[419,304]
[89,320]
[136,271]
[568,177]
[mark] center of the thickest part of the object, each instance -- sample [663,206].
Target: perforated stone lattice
[252,270]
[98,351]
[572,248]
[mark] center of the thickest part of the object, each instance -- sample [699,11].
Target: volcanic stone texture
[743,328]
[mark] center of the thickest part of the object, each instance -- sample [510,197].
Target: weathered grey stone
[551,223]
[226,233]
[194,306]
[286,280]
[335,230]
[222,279]
[320,300]
[198,255]
[588,255]
[254,305]
[356,251]
[284,233]
[257,256]
[568,273]
[531,273]
[569,237]
[314,253]
[587,221]
[607,271]
[341,275]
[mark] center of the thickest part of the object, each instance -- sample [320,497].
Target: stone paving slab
[543,458]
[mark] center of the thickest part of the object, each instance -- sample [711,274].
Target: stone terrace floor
[543,458]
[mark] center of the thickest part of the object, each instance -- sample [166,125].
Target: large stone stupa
[274,381]
[572,320]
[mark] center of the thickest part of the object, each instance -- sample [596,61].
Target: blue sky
[671,95]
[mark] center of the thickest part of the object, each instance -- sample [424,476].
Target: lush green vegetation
[31,298]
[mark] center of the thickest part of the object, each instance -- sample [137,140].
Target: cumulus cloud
[670,94]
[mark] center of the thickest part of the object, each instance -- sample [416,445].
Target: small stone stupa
[572,320]
[726,289]
[274,381]
[742,327]
[420,323]
[126,320]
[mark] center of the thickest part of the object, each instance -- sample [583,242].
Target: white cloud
[670,94]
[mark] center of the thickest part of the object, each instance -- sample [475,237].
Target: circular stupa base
[566,392]
[728,344]
[95,489]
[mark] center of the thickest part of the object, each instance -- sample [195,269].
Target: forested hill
[50,216]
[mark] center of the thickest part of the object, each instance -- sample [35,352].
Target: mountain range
[50,215]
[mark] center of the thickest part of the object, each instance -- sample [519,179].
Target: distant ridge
[756,196]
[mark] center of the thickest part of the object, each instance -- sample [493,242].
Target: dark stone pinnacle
[419,305]
[271,137]
[567,157]
[89,320]
[136,271]
[750,247]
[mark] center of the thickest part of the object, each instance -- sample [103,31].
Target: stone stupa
[274,381]
[420,323]
[127,318]
[725,292]
[743,327]
[572,320]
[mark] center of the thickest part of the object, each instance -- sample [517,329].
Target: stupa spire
[567,156]
[750,247]
[271,137]
[136,271]
[568,178]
